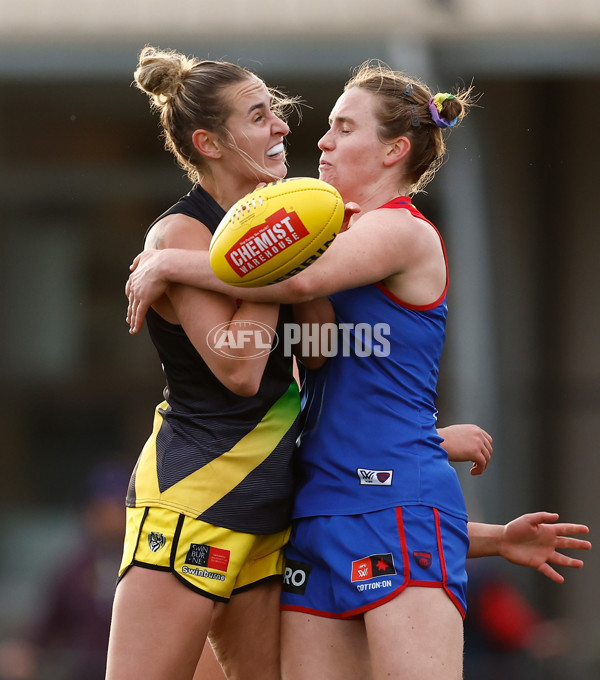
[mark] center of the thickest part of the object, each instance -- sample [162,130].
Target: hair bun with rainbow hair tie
[436,104]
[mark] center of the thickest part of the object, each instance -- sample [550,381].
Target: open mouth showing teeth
[275,150]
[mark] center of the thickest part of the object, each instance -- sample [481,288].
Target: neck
[227,192]
[373,196]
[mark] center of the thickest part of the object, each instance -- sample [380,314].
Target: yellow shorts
[211,560]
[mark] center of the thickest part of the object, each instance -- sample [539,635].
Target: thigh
[158,627]
[208,667]
[316,647]
[417,634]
[244,633]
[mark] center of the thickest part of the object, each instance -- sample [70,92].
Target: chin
[326,177]
[275,173]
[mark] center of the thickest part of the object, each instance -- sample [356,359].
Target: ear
[207,143]
[396,150]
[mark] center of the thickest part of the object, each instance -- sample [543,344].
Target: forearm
[192,268]
[309,318]
[485,539]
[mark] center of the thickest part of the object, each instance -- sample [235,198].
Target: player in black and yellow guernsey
[208,506]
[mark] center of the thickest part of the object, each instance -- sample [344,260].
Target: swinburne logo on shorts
[208,556]
[295,576]
[372,566]
[279,231]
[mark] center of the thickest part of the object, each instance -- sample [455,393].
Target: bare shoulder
[178,231]
[401,228]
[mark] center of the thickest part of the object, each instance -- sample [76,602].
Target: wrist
[165,270]
[486,540]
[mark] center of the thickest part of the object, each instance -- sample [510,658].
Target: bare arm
[532,540]
[313,339]
[377,246]
[211,320]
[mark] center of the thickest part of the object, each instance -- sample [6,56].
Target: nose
[325,142]
[280,127]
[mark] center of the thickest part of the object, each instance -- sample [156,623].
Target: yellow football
[276,231]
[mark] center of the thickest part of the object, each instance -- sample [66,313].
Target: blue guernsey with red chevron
[389,455]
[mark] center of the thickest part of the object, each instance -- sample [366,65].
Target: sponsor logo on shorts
[207,556]
[422,558]
[373,566]
[202,572]
[156,540]
[295,576]
[375,477]
[375,585]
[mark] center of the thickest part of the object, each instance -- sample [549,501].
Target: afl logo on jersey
[156,540]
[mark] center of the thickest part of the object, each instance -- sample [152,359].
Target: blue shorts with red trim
[343,565]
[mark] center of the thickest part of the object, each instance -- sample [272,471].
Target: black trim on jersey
[199,205]
[175,542]
[249,586]
[143,565]
[137,542]
[191,586]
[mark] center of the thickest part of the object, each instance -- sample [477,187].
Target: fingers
[566,528]
[481,460]
[136,261]
[551,573]
[350,209]
[488,444]
[133,318]
[567,543]
[536,518]
[565,560]
[477,469]
[133,309]
[484,451]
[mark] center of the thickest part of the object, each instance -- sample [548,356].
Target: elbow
[313,363]
[300,288]
[243,385]
[245,390]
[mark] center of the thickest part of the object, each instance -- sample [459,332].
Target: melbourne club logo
[422,558]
